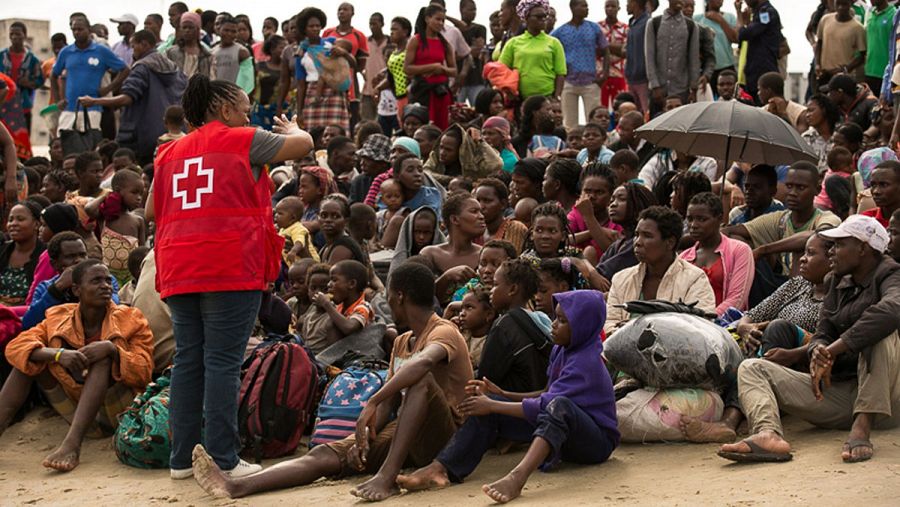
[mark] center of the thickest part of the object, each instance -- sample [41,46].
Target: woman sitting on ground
[493,196]
[660,274]
[339,246]
[460,154]
[627,204]
[465,223]
[496,132]
[89,358]
[19,256]
[728,263]
[589,218]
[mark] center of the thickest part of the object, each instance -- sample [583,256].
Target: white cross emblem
[199,191]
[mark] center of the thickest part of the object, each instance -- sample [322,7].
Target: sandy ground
[652,474]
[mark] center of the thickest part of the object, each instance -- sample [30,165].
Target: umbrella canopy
[728,131]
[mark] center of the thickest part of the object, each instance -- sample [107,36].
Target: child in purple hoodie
[573,419]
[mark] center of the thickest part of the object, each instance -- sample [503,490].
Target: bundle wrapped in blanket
[673,345]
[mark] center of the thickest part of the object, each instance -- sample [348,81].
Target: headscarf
[60,217]
[499,123]
[193,17]
[325,177]
[870,159]
[409,144]
[525,7]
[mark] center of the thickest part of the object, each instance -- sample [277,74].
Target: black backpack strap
[526,324]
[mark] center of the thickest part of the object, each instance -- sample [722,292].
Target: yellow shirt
[296,233]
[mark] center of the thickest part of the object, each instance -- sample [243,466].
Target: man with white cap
[123,49]
[854,379]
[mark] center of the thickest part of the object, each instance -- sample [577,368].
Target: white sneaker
[243,469]
[181,474]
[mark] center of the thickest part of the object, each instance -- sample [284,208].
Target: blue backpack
[344,400]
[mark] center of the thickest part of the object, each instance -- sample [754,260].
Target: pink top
[372,196]
[822,201]
[577,224]
[737,259]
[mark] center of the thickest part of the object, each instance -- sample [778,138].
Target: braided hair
[421,28]
[203,96]
[551,209]
[639,198]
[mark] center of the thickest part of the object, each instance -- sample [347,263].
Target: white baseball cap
[863,228]
[126,18]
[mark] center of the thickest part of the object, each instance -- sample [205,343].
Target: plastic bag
[652,415]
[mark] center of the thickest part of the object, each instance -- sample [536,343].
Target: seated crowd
[484,251]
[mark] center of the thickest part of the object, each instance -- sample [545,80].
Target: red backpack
[278,390]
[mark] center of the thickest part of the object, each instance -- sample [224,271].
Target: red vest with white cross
[214,228]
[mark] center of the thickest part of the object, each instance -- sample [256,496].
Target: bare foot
[64,458]
[701,432]
[766,440]
[433,476]
[376,489]
[208,474]
[506,489]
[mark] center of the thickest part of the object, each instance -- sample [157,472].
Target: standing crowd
[431,195]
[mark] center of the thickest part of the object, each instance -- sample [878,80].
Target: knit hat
[377,147]
[60,217]
[416,110]
[193,17]
[409,144]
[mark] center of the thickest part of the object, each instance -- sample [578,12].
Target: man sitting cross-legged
[855,344]
[90,358]
[428,373]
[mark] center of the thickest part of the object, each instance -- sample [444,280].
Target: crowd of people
[437,176]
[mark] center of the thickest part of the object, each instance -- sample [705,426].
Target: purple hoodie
[577,371]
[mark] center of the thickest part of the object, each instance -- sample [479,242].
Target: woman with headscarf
[538,57]
[313,184]
[430,63]
[496,132]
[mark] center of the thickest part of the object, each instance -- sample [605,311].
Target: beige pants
[589,96]
[766,388]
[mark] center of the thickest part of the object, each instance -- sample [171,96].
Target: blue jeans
[469,93]
[572,434]
[211,333]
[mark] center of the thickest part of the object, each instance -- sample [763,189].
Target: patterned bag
[143,438]
[344,400]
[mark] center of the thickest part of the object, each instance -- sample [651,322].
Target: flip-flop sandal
[855,444]
[756,455]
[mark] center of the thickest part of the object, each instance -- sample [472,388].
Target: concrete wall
[39,42]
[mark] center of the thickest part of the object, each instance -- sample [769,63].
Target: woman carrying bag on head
[216,252]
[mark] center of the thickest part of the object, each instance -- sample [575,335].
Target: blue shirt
[763,36]
[426,196]
[603,157]
[580,44]
[635,68]
[84,70]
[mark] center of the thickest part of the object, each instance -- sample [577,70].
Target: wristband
[58,353]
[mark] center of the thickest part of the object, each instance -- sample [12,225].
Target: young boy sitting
[573,419]
[345,302]
[297,294]
[392,197]
[315,325]
[517,347]
[363,225]
[135,260]
[297,242]
[174,122]
[427,376]
[594,141]
[626,166]
[89,358]
[475,320]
